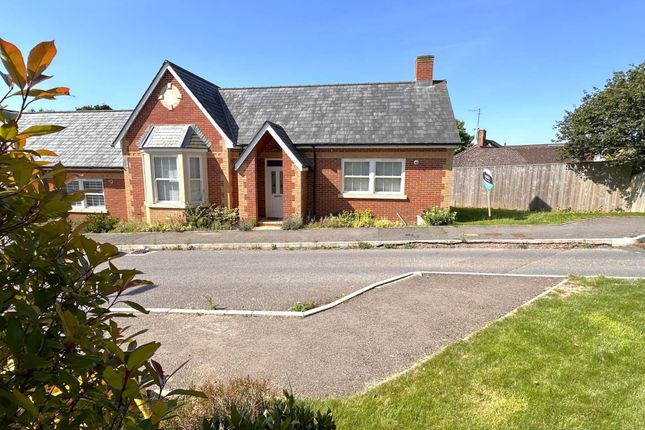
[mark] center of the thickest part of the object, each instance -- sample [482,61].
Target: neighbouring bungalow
[273,152]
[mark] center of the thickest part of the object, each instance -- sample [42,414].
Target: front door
[274,188]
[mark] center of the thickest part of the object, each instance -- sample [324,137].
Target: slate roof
[208,95]
[287,141]
[399,113]
[85,141]
[509,155]
[172,136]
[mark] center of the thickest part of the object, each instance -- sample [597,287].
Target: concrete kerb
[615,242]
[322,308]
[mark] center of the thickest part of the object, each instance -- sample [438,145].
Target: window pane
[195,168]
[93,185]
[357,168]
[388,168]
[165,167]
[387,185]
[274,163]
[71,187]
[167,191]
[196,190]
[273,182]
[357,184]
[94,200]
[280,182]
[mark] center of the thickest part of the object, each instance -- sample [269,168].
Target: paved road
[345,349]
[274,280]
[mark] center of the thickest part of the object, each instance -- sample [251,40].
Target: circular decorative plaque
[170,96]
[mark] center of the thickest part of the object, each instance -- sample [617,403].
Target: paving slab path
[343,350]
[593,228]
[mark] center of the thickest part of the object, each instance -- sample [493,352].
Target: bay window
[373,178]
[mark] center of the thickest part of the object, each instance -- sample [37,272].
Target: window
[94,194]
[371,177]
[195,171]
[166,179]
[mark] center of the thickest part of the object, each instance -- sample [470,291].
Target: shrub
[283,413]
[100,223]
[248,396]
[438,216]
[64,360]
[211,217]
[129,226]
[292,224]
[245,225]
[355,219]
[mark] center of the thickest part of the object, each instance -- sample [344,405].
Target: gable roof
[399,113]
[509,155]
[203,93]
[173,136]
[86,139]
[282,138]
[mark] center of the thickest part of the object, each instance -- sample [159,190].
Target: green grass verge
[573,360]
[478,216]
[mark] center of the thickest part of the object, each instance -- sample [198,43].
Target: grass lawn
[477,216]
[573,360]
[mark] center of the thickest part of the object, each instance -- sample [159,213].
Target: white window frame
[155,179]
[371,193]
[190,179]
[82,205]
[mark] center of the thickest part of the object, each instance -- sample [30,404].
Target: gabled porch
[273,177]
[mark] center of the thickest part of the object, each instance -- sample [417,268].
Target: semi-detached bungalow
[273,152]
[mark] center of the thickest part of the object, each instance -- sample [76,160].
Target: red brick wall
[187,112]
[426,184]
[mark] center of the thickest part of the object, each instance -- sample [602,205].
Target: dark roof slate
[208,95]
[399,113]
[287,141]
[86,139]
[509,155]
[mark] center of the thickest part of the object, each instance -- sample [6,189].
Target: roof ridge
[327,85]
[176,66]
[81,111]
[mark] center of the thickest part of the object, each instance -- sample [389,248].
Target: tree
[610,122]
[64,360]
[464,136]
[95,107]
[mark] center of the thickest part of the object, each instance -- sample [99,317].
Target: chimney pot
[424,68]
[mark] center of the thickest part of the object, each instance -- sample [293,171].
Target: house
[273,152]
[536,177]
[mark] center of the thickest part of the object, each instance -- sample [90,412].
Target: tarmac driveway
[345,349]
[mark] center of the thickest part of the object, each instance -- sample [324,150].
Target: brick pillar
[247,189]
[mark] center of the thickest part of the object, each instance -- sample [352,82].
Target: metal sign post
[487,178]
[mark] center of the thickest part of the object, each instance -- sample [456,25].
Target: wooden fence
[579,187]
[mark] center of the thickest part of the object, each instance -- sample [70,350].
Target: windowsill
[90,210]
[373,196]
[166,205]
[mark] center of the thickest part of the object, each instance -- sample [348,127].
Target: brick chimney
[423,69]
[481,138]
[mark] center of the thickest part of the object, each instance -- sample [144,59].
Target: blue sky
[522,62]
